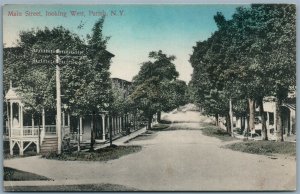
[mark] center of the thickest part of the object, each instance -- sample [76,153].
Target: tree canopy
[250,56]
[156,87]
[84,79]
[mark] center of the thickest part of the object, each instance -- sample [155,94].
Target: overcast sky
[135,30]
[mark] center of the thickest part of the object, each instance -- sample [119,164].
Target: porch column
[11,115]
[69,120]
[268,124]
[19,113]
[103,126]
[21,117]
[127,124]
[38,147]
[119,124]
[21,148]
[8,118]
[275,126]
[291,122]
[116,125]
[80,128]
[11,147]
[63,124]
[108,124]
[42,135]
[32,122]
[43,120]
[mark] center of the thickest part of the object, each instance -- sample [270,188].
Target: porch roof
[12,95]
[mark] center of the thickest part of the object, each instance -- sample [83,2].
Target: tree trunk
[243,123]
[279,128]
[248,127]
[231,117]
[251,114]
[228,124]
[92,133]
[158,116]
[149,122]
[264,130]
[217,119]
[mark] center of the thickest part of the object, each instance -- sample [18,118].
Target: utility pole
[58,103]
[57,62]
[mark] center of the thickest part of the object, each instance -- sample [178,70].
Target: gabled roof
[12,95]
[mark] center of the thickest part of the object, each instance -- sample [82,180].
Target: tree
[153,77]
[98,89]
[84,79]
[208,80]
[36,82]
[261,40]
[248,57]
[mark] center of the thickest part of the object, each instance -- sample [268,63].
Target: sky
[134,30]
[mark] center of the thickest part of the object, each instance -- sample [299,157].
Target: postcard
[149,97]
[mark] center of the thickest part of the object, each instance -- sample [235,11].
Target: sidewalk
[120,140]
[124,139]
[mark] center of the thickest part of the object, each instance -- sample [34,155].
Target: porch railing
[50,129]
[28,131]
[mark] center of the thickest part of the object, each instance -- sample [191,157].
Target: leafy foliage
[84,79]
[250,56]
[156,88]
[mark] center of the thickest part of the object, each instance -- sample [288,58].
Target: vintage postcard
[149,97]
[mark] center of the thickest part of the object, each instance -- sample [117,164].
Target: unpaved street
[181,159]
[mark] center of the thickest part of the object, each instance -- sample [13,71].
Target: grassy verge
[214,131]
[160,126]
[11,174]
[72,188]
[264,147]
[104,154]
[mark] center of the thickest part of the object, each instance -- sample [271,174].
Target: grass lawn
[214,131]
[73,188]
[264,147]
[160,126]
[11,174]
[104,154]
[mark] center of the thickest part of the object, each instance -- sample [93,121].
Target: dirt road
[181,159]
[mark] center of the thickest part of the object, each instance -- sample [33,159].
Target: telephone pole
[58,103]
[57,62]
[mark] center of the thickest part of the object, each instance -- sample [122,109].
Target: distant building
[122,85]
[288,117]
